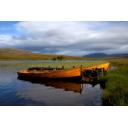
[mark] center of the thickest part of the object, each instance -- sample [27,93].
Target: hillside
[18,54]
[103,55]
[97,55]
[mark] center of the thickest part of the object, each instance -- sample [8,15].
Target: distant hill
[97,55]
[18,54]
[103,55]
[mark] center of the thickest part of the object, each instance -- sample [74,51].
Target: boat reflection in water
[63,84]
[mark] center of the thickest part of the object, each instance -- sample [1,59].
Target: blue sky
[68,38]
[8,27]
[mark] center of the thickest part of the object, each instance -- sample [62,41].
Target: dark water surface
[15,92]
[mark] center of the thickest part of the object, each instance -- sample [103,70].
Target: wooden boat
[61,73]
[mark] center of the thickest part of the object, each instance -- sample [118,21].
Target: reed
[116,91]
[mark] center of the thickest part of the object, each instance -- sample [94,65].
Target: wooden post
[62,67]
[81,88]
[102,71]
[81,70]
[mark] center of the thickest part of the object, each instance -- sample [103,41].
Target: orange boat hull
[69,73]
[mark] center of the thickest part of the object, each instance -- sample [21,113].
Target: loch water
[16,92]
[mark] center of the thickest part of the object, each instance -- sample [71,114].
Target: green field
[116,91]
[66,64]
[53,64]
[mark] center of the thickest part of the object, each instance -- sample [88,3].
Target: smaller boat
[60,73]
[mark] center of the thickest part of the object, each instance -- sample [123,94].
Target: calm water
[15,92]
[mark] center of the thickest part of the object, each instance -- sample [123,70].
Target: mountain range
[103,55]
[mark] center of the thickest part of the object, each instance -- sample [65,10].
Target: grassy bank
[116,91]
[66,64]
[54,64]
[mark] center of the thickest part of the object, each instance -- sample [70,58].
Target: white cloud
[56,33]
[73,38]
[5,40]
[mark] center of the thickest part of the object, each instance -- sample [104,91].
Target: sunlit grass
[57,64]
[66,64]
[116,91]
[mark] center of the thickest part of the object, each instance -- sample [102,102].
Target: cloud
[70,38]
[55,33]
[5,40]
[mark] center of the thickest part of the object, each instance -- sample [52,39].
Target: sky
[77,38]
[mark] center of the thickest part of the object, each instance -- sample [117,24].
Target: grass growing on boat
[116,91]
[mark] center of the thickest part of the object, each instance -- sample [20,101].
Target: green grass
[116,91]
[54,64]
[67,64]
